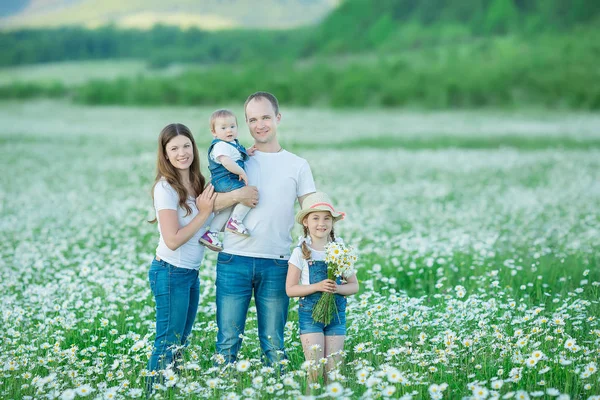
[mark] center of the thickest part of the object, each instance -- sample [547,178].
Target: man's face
[261,120]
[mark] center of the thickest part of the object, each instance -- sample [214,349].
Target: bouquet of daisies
[340,261]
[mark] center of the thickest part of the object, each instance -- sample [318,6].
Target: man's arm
[248,196]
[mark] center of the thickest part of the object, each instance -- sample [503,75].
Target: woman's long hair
[164,168]
[306,254]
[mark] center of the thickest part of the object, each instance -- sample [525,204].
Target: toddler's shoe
[236,227]
[211,240]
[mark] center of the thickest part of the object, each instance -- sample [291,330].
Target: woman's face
[180,152]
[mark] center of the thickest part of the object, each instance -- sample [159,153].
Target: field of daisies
[478,232]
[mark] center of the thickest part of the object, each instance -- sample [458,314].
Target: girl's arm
[350,287]
[175,235]
[294,289]
[232,167]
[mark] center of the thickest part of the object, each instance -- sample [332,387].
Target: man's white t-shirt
[280,178]
[224,149]
[189,255]
[298,261]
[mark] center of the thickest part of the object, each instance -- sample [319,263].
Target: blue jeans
[237,278]
[176,293]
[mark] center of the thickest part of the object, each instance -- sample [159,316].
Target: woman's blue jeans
[238,277]
[176,293]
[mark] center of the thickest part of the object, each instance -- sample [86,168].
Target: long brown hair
[164,168]
[306,254]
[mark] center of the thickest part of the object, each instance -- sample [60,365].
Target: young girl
[182,208]
[307,279]
[226,158]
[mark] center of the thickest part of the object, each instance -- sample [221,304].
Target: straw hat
[318,201]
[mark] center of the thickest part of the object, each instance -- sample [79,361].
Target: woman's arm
[175,235]
[348,288]
[294,289]
[248,196]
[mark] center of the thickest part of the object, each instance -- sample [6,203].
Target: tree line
[355,26]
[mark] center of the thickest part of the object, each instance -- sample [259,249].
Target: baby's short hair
[221,113]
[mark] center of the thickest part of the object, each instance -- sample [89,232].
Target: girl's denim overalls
[317,272]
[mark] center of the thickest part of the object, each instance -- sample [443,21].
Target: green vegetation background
[433,54]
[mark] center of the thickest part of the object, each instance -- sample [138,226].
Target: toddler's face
[225,129]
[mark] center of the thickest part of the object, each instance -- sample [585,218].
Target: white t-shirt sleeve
[306,183]
[296,258]
[224,149]
[165,197]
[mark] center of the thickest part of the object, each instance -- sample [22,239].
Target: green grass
[483,246]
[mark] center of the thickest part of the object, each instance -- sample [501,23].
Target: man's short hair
[263,95]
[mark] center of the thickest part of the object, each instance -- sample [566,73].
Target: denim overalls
[317,272]
[223,180]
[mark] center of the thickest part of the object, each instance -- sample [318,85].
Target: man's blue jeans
[176,293]
[237,278]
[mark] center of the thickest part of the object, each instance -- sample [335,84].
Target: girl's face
[180,152]
[319,224]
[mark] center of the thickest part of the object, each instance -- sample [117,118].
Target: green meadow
[478,235]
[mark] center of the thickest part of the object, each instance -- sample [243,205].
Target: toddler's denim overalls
[220,177]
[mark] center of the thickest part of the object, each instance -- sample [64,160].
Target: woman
[183,207]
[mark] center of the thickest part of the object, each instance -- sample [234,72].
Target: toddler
[226,158]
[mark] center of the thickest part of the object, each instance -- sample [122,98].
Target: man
[258,263]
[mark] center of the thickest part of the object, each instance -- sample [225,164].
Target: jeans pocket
[159,282]
[340,303]
[180,271]
[307,303]
[225,258]
[281,263]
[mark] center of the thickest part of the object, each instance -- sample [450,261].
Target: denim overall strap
[217,170]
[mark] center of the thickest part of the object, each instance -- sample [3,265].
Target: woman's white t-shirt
[189,255]
[298,261]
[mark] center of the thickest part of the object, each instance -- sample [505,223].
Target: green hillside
[363,25]
[435,54]
[206,14]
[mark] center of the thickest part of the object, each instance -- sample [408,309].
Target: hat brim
[337,215]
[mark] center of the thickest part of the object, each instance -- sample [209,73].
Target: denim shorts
[337,326]
[227,183]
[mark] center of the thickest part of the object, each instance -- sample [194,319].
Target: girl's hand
[326,285]
[206,201]
[251,150]
[244,177]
